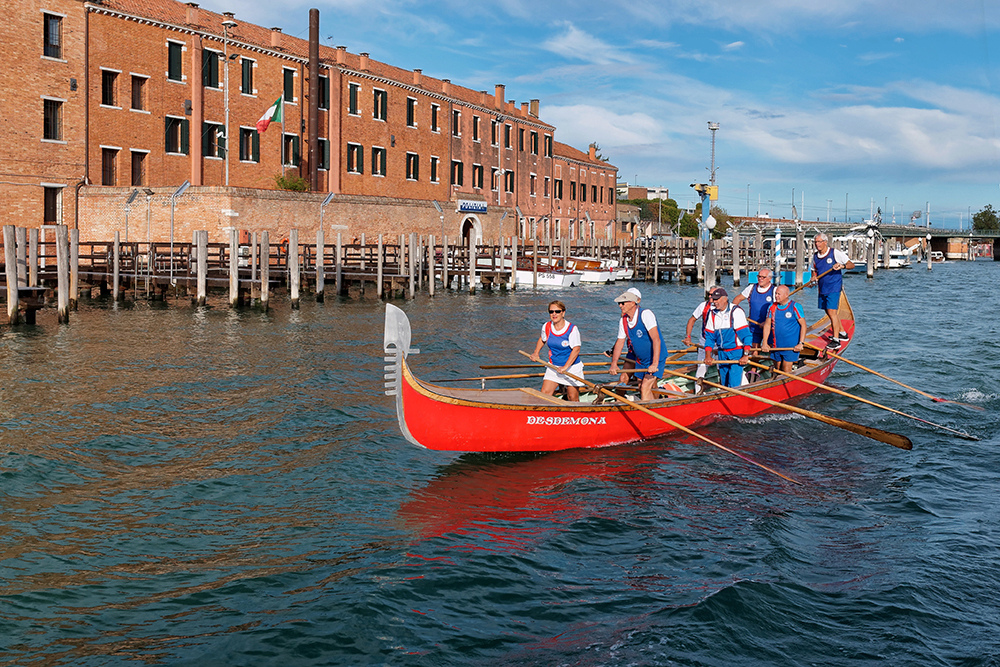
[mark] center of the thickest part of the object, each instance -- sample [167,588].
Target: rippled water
[198,486]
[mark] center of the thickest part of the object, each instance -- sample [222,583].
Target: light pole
[713,127]
[128,208]
[227,25]
[173,200]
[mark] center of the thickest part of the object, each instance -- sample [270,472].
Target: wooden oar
[840,392]
[884,377]
[887,437]
[513,376]
[805,285]
[498,366]
[671,422]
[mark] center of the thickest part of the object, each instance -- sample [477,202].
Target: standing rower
[832,262]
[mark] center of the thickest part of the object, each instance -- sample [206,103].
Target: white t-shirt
[574,336]
[648,319]
[754,286]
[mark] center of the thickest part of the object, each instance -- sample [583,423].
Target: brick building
[131,96]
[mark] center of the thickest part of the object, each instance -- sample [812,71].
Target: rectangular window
[558,189]
[109,85]
[52,205]
[494,132]
[545,189]
[380,104]
[138,92]
[289,84]
[52,124]
[355,159]
[379,156]
[509,181]
[52,39]
[548,145]
[593,193]
[434,169]
[290,153]
[456,123]
[412,167]
[457,172]
[435,109]
[583,192]
[475,128]
[534,143]
[176,135]
[138,168]
[520,139]
[352,98]
[210,68]
[531,184]
[572,190]
[411,112]
[494,179]
[249,144]
[506,136]
[324,92]
[611,195]
[477,176]
[109,158]
[175,60]
[213,140]
[246,78]
[323,159]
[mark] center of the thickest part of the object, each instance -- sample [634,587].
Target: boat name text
[566,421]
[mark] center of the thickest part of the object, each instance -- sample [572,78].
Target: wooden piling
[62,274]
[234,266]
[116,267]
[513,262]
[73,249]
[320,265]
[411,263]
[293,266]
[363,254]
[10,262]
[800,255]
[534,264]
[21,241]
[339,264]
[870,259]
[430,264]
[33,258]
[736,259]
[265,269]
[472,262]
[379,286]
[444,262]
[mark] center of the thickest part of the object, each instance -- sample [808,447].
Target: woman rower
[563,339]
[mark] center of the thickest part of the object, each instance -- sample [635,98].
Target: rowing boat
[525,420]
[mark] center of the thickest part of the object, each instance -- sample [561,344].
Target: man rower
[700,313]
[629,363]
[759,297]
[638,327]
[832,262]
[727,336]
[785,326]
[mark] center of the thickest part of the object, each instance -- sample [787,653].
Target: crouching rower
[727,336]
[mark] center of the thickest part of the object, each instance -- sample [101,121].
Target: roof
[566,151]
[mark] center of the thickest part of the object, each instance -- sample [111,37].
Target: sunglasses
[554,311]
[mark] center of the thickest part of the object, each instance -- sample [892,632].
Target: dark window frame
[52,35]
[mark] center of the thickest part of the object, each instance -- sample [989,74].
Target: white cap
[635,291]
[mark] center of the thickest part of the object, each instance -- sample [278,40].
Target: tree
[597,150]
[986,220]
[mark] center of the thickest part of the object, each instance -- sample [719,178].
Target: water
[188,486]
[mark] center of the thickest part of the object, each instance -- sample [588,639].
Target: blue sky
[843,101]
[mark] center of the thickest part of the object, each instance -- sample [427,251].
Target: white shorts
[576,369]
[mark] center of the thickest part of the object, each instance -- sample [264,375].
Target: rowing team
[776,325]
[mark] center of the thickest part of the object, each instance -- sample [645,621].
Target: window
[323,157]
[548,145]
[494,132]
[210,68]
[506,136]
[52,206]
[355,159]
[378,161]
[477,176]
[324,92]
[138,168]
[475,128]
[213,140]
[457,172]
[176,135]
[138,92]
[534,143]
[52,39]
[411,112]
[494,179]
[290,150]
[246,80]
[611,195]
[249,144]
[531,184]
[572,190]
[352,99]
[289,84]
[583,192]
[52,122]
[380,104]
[545,190]
[435,108]
[175,60]
[557,191]
[109,159]
[413,167]
[456,123]
[109,81]
[508,181]
[434,169]
[593,193]
[520,138]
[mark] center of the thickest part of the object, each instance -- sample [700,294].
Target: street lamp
[173,200]
[227,25]
[441,213]
[128,207]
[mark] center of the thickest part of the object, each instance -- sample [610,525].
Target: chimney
[533,108]
[229,15]
[524,109]
[446,86]
[341,55]
[417,77]
[593,152]
[499,95]
[484,97]
[192,13]
[363,63]
[511,105]
[276,38]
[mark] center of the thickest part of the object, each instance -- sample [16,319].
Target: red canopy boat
[525,420]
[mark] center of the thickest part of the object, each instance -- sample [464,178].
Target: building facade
[142,96]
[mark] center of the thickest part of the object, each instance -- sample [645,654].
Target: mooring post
[411,263]
[320,264]
[363,258]
[10,263]
[870,259]
[800,255]
[340,265]
[73,243]
[21,241]
[444,262]
[420,261]
[534,264]
[116,263]
[234,266]
[62,273]
[379,287]
[472,261]
[293,266]
[265,269]
[430,264]
[33,257]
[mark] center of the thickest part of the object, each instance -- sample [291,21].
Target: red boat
[525,420]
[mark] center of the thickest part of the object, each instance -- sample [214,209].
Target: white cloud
[733,46]
[575,44]
[580,124]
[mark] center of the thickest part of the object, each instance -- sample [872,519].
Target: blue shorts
[829,301]
[757,334]
[785,355]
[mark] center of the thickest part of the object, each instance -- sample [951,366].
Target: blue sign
[471,206]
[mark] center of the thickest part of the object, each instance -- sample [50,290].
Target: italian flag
[273,114]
